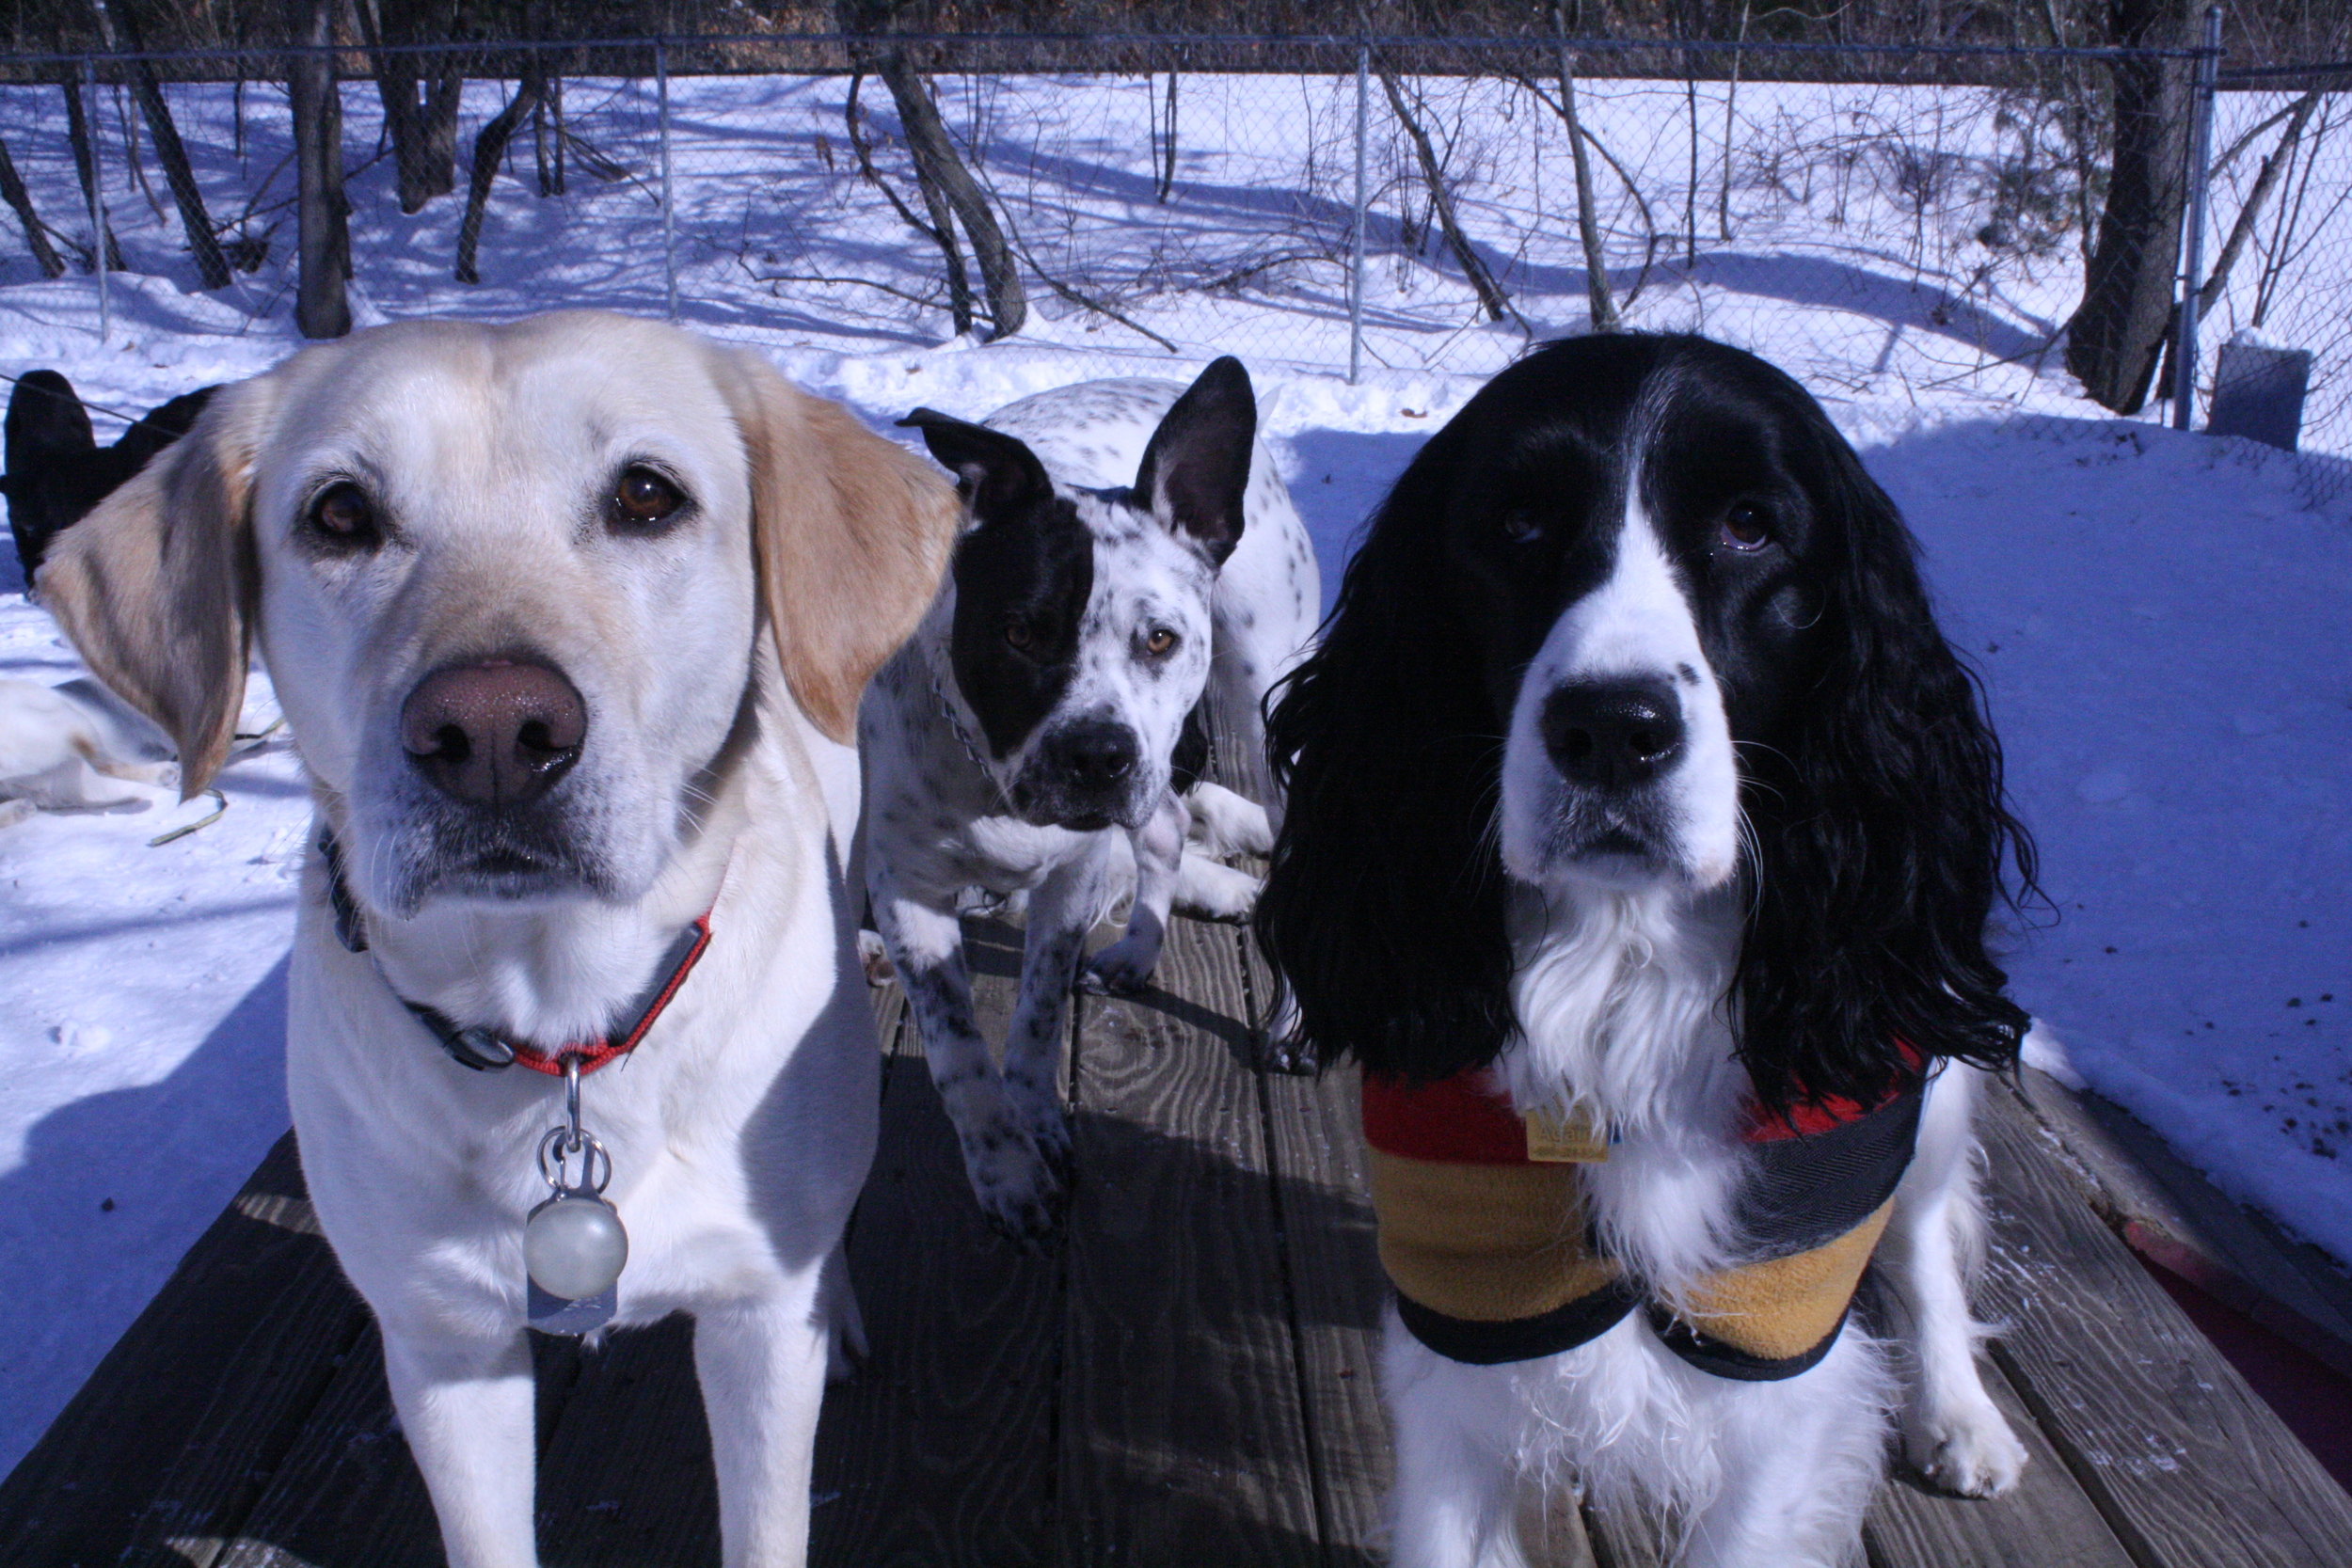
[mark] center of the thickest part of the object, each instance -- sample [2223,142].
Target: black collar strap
[486,1050]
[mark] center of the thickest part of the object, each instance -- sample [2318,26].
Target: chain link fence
[1878,221]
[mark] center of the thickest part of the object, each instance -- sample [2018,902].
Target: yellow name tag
[1573,1140]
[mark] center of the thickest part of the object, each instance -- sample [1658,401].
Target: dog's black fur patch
[57,470]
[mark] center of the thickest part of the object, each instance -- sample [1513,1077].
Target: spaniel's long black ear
[1384,907]
[1882,832]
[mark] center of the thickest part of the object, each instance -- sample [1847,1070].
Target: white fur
[1619,992]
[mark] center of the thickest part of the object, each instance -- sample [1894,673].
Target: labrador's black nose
[496,732]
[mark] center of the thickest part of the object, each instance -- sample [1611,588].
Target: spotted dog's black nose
[1093,755]
[1612,735]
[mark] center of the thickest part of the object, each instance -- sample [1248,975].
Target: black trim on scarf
[1488,1344]
[1713,1356]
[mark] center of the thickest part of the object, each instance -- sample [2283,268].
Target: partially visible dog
[1133,558]
[71,748]
[1643,832]
[57,470]
[558,820]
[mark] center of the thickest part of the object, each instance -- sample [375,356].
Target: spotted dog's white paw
[1224,823]
[1969,1451]
[1207,890]
[1125,966]
[875,958]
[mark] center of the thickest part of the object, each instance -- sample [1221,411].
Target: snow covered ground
[2158,618]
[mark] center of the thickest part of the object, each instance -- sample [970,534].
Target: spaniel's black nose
[1612,735]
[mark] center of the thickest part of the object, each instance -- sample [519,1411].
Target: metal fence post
[669,224]
[1356,257]
[2193,244]
[97,194]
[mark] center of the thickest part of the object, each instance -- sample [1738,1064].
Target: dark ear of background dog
[57,470]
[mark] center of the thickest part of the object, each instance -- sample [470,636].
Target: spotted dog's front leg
[1125,966]
[1061,911]
[1016,1189]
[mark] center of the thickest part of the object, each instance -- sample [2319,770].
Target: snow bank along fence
[1999,224]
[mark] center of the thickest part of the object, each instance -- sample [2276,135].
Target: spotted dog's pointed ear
[1196,468]
[851,534]
[996,474]
[157,586]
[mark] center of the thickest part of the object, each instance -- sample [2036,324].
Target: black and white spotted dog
[1133,578]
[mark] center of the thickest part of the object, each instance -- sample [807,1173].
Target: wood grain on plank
[2047,1521]
[348,1493]
[1182,1439]
[939,1450]
[162,1452]
[1328,1234]
[2188,1466]
[2168,1209]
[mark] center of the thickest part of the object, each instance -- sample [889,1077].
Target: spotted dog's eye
[1160,644]
[1521,528]
[1018,634]
[643,499]
[1747,527]
[342,516]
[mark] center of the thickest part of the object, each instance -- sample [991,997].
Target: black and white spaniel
[1642,834]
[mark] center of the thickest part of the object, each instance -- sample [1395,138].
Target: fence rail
[1875,218]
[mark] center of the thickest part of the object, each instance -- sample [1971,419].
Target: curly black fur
[1870,777]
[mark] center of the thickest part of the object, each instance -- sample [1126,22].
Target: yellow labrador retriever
[570,619]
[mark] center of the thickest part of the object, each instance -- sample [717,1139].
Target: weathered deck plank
[1193,1377]
[2185,1463]
[221,1369]
[1181,1411]
[939,1450]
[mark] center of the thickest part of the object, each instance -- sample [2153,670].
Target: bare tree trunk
[941,230]
[321,309]
[424,136]
[2117,334]
[1597,291]
[36,238]
[78,130]
[1164,179]
[937,164]
[1731,96]
[2265,181]
[212,267]
[488,148]
[1490,296]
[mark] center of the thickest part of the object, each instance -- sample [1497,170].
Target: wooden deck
[1189,1380]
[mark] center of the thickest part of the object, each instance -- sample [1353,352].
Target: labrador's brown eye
[643,499]
[343,517]
[1018,634]
[1160,644]
[1521,528]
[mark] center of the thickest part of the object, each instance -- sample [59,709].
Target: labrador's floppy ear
[851,534]
[157,586]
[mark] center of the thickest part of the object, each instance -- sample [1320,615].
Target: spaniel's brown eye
[1160,644]
[1521,528]
[342,515]
[1747,527]
[644,498]
[1018,634]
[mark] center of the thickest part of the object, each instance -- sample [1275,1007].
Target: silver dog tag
[574,1244]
